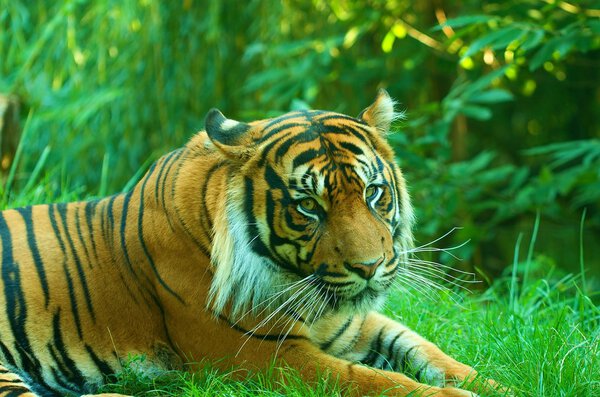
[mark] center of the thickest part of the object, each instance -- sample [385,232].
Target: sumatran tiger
[273,241]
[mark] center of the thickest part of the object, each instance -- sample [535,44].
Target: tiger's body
[274,239]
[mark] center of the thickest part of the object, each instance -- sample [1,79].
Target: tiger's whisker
[449,281]
[439,265]
[273,297]
[443,271]
[437,239]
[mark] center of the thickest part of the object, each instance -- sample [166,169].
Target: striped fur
[273,239]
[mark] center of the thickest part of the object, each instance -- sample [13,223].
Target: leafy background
[502,101]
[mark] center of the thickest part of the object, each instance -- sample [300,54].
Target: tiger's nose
[365,269]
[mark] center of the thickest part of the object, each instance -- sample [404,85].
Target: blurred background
[501,140]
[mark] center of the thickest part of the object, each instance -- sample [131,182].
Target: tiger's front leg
[380,342]
[234,343]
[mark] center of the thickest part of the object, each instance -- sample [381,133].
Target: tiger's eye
[371,190]
[308,204]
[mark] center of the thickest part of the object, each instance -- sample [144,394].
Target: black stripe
[299,227]
[205,219]
[350,130]
[350,346]
[322,271]
[276,183]
[164,322]
[396,194]
[110,216]
[124,212]
[59,352]
[392,354]
[122,233]
[184,226]
[252,229]
[277,130]
[340,331]
[307,156]
[352,148]
[269,146]
[342,117]
[306,136]
[35,253]
[90,210]
[178,152]
[374,350]
[103,226]
[391,272]
[54,225]
[157,188]
[7,355]
[110,227]
[268,337]
[62,211]
[73,299]
[162,168]
[205,251]
[285,117]
[16,306]
[74,309]
[142,241]
[103,367]
[13,391]
[276,240]
[80,235]
[295,315]
[59,378]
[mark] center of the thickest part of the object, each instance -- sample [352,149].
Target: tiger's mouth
[354,293]
[366,298]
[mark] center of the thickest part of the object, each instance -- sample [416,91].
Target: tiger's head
[316,201]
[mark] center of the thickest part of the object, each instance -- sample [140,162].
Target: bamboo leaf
[497,39]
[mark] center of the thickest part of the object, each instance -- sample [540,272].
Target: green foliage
[574,168]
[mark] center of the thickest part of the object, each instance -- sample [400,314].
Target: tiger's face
[327,204]
[324,201]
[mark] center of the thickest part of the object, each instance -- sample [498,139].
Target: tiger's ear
[231,137]
[381,113]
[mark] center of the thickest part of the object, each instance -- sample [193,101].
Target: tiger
[272,241]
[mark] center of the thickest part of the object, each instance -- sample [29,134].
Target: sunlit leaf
[533,39]
[492,96]
[560,45]
[476,112]
[351,36]
[463,21]
[388,42]
[497,39]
